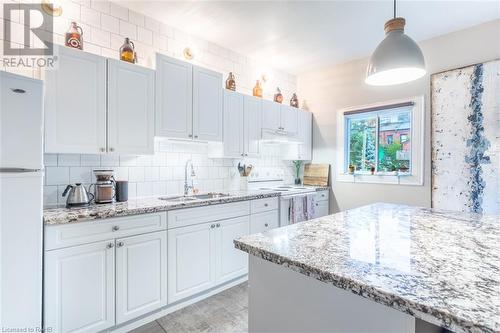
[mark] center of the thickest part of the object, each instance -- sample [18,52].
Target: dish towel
[297,211]
[310,206]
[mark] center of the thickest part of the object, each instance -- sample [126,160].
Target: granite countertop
[63,215]
[439,266]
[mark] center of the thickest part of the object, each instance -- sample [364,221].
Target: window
[384,140]
[371,140]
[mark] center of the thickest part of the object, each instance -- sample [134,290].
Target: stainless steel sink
[212,195]
[178,198]
[182,198]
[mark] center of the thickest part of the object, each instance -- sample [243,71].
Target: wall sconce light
[51,9]
[188,53]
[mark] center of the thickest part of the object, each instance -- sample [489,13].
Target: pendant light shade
[397,59]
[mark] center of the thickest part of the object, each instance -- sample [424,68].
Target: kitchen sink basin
[212,195]
[178,198]
[181,198]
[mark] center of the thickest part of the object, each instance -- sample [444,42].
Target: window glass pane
[362,144]
[394,148]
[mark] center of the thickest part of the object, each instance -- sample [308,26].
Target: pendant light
[397,59]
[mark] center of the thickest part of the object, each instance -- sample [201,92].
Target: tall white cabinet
[188,101]
[96,105]
[75,104]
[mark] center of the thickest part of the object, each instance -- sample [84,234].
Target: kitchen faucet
[186,185]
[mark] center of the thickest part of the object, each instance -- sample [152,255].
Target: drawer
[321,196]
[321,209]
[190,216]
[59,236]
[264,221]
[262,205]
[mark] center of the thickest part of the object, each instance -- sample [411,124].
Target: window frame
[417,135]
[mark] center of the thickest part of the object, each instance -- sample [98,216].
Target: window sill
[394,178]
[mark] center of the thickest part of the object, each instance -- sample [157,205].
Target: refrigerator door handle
[18,170]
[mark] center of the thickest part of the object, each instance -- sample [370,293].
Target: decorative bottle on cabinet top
[278,97]
[257,90]
[74,36]
[231,82]
[127,52]
[294,101]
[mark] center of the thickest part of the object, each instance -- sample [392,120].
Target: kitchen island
[378,268]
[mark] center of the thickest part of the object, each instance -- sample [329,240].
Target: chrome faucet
[186,185]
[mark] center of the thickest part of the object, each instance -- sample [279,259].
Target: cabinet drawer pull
[111,149]
[218,225]
[116,228]
[110,245]
[120,244]
[190,135]
[196,136]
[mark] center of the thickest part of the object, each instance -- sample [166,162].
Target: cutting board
[316,174]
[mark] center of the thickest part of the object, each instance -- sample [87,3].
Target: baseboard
[147,318]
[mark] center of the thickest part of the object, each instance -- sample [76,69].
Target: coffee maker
[104,187]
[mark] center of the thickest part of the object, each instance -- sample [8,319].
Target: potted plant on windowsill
[352,169]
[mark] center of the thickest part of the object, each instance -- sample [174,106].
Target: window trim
[417,149]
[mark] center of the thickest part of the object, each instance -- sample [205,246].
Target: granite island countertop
[442,267]
[63,215]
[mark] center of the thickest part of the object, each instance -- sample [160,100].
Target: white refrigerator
[21,183]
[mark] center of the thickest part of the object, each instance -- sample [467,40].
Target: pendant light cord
[394,8]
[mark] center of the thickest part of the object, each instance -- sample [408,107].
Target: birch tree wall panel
[466,138]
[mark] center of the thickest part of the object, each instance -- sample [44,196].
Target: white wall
[330,89]
[105,26]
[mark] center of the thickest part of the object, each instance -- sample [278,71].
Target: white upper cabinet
[79,292]
[279,118]
[130,108]
[271,115]
[141,275]
[289,119]
[242,124]
[75,104]
[233,124]
[207,104]
[304,135]
[253,125]
[174,98]
[188,101]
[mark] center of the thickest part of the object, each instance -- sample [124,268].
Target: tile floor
[226,312]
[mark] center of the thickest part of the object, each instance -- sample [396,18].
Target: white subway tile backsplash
[128,160]
[101,38]
[50,160]
[118,11]
[152,24]
[152,174]
[144,189]
[110,160]
[90,160]
[166,173]
[102,6]
[68,160]
[56,175]
[132,190]
[110,23]
[144,160]
[80,175]
[128,30]
[90,16]
[136,174]
[121,173]
[50,195]
[136,18]
[144,36]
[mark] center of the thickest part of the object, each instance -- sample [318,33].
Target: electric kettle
[78,196]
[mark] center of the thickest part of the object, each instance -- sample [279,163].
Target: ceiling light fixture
[397,59]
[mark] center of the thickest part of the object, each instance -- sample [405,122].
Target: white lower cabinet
[321,209]
[141,271]
[264,221]
[231,262]
[191,260]
[80,288]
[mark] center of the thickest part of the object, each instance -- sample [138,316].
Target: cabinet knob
[242,154]
[190,135]
[218,225]
[196,136]
[246,154]
[212,226]
[111,149]
[265,205]
[120,244]
[115,228]
[110,245]
[102,149]
[317,205]
[266,225]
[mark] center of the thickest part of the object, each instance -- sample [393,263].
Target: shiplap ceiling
[302,35]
